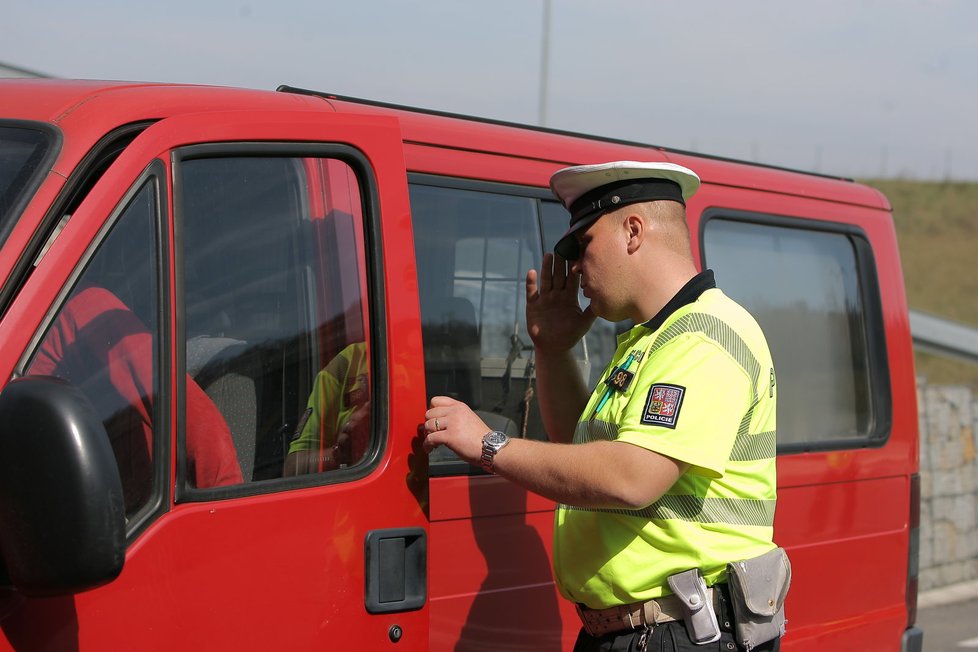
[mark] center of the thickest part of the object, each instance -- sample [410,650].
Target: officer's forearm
[604,474]
[561,393]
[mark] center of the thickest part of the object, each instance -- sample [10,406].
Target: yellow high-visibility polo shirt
[339,389]
[699,388]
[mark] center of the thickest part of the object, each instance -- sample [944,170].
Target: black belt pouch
[758,588]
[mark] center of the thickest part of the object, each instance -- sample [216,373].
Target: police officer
[672,469]
[335,428]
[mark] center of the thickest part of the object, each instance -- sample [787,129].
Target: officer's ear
[636,231]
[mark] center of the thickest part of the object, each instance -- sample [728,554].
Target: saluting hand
[554,317]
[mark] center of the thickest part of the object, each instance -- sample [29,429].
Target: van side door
[235,298]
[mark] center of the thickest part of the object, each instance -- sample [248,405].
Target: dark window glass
[276,310]
[21,153]
[473,252]
[803,287]
[104,339]
[474,249]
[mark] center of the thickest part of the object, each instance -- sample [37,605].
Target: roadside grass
[937,233]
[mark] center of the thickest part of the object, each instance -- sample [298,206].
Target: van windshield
[22,151]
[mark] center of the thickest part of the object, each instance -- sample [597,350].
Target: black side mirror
[62,514]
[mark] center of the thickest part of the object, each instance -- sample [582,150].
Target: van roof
[54,100]
[96,107]
[564,148]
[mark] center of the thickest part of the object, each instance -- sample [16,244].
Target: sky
[855,88]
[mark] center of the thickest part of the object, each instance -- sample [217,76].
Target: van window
[473,251]
[807,288]
[104,339]
[474,245]
[22,152]
[274,289]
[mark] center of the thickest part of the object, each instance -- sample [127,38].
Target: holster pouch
[758,588]
[698,612]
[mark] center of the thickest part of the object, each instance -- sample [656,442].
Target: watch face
[495,438]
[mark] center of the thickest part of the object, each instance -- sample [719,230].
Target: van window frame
[375,304]
[878,370]
[478,185]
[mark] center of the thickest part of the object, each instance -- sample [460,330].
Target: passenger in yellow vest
[672,462]
[335,429]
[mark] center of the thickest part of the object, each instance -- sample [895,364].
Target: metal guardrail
[943,336]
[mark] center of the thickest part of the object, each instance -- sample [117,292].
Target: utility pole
[544,63]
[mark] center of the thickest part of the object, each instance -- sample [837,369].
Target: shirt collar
[686,295]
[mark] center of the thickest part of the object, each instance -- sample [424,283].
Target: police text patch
[662,405]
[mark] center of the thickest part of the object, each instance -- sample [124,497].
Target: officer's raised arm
[556,323]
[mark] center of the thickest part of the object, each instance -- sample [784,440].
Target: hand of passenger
[453,424]
[354,435]
[339,454]
[554,317]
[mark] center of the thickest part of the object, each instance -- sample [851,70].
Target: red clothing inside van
[103,348]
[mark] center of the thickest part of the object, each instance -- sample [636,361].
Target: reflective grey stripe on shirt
[718,331]
[731,511]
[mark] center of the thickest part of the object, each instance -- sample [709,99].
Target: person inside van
[665,473]
[98,344]
[334,431]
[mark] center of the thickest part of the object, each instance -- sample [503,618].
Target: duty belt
[667,609]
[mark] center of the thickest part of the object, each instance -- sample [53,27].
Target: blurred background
[881,91]
[856,88]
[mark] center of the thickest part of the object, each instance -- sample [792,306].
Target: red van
[199,285]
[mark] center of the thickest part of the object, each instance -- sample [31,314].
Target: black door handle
[397,570]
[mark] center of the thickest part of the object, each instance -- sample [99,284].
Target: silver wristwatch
[491,443]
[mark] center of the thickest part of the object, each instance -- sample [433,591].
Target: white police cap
[589,191]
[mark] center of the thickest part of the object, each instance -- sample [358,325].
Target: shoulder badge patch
[662,405]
